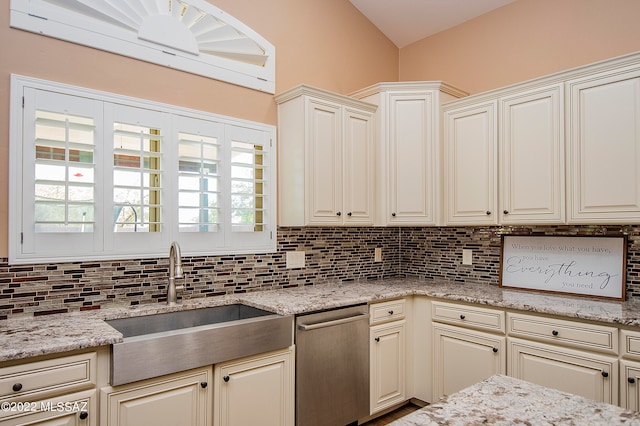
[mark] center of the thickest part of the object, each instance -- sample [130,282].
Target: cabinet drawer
[40,379]
[386,311]
[468,316]
[567,333]
[630,344]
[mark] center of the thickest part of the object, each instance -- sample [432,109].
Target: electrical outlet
[467,256]
[377,254]
[295,259]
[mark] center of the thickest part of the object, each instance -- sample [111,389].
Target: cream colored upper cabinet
[324,178]
[604,147]
[531,152]
[413,159]
[471,162]
[325,159]
[514,175]
[408,154]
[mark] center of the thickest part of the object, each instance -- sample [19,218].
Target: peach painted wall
[524,40]
[325,43]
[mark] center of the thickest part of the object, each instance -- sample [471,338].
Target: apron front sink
[155,345]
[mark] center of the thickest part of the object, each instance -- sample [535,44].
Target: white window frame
[109,245]
[149,31]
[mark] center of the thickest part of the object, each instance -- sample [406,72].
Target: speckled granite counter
[24,337]
[502,400]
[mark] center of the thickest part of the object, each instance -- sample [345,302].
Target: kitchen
[333,252]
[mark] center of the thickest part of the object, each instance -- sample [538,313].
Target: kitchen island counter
[503,400]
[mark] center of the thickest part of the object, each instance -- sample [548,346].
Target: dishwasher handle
[315,326]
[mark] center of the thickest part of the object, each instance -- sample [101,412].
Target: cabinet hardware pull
[554,332]
[17,387]
[495,349]
[391,312]
[83,415]
[226,378]
[488,212]
[204,385]
[462,316]
[505,211]
[339,214]
[377,339]
[393,214]
[605,374]
[631,380]
[349,214]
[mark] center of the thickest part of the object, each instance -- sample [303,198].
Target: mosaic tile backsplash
[331,254]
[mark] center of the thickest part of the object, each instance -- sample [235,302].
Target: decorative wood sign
[592,266]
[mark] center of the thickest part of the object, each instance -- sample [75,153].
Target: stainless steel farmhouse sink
[166,343]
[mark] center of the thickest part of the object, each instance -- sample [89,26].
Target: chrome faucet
[175,271]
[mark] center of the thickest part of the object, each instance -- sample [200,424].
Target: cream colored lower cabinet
[183,399]
[630,369]
[387,365]
[257,390]
[463,357]
[56,391]
[76,409]
[588,374]
[630,385]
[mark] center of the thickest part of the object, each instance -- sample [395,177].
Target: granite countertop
[503,400]
[27,336]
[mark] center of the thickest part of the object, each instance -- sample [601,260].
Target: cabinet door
[463,357]
[324,163]
[532,157]
[255,391]
[470,135]
[358,167]
[604,148]
[413,157]
[578,372]
[76,409]
[387,364]
[630,385]
[177,399]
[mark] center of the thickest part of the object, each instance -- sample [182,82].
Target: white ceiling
[407,21]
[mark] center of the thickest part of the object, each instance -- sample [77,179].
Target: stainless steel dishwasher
[332,367]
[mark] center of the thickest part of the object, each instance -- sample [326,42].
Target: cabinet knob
[204,385]
[83,415]
[495,349]
[505,211]
[17,387]
[462,316]
[391,312]
[339,214]
[393,214]
[377,339]
[605,374]
[554,332]
[631,380]
[488,212]
[226,378]
[349,214]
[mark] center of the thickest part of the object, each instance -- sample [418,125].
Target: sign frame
[582,265]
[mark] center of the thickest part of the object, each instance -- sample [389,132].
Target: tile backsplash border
[331,253]
[437,252]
